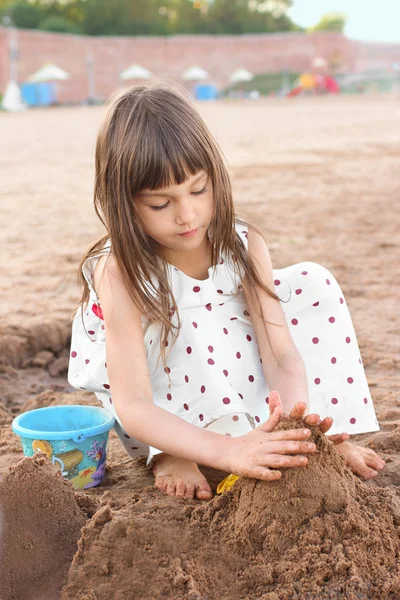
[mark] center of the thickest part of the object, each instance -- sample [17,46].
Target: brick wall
[219,55]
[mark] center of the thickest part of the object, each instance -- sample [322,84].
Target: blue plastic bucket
[74,438]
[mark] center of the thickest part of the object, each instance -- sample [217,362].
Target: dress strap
[90,263]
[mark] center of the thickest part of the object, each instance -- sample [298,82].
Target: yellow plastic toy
[227,483]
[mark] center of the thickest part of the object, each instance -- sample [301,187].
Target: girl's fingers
[275,408]
[312,419]
[374,461]
[265,474]
[289,434]
[298,411]
[338,438]
[325,424]
[290,447]
[272,422]
[274,401]
[361,469]
[277,461]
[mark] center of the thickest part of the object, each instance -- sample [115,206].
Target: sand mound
[384,442]
[51,398]
[9,442]
[318,534]
[40,523]
[18,344]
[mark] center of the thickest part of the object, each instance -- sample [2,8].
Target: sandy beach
[319,176]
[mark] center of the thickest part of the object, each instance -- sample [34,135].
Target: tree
[26,16]
[59,24]
[123,17]
[239,16]
[330,22]
[155,17]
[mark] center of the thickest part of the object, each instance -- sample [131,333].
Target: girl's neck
[194,263]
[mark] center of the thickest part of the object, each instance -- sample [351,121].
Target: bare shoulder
[255,239]
[98,271]
[116,301]
[258,251]
[127,365]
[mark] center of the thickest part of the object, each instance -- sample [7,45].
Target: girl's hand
[258,453]
[297,413]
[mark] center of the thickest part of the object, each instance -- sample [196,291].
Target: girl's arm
[130,379]
[127,366]
[283,366]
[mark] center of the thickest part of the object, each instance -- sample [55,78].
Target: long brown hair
[152,137]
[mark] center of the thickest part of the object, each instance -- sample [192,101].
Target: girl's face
[168,213]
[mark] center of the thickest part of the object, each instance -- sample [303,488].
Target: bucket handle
[78,439]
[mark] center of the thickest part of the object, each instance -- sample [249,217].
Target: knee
[320,278]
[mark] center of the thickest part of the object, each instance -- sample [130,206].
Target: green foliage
[24,15]
[330,22]
[241,16]
[226,17]
[123,17]
[155,17]
[60,25]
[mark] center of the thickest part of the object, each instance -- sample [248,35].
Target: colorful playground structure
[309,83]
[317,81]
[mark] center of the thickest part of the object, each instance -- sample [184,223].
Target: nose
[184,212]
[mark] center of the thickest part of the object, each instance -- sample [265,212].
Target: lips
[187,233]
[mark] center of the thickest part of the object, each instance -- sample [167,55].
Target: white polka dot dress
[214,376]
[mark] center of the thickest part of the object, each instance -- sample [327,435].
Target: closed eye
[200,192]
[166,204]
[159,207]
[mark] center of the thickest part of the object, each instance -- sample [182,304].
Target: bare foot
[181,478]
[362,461]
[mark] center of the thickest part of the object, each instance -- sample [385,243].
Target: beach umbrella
[12,101]
[194,74]
[49,72]
[135,72]
[241,75]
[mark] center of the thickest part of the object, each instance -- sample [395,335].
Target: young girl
[184,328]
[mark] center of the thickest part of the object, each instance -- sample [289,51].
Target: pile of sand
[317,534]
[40,523]
[320,533]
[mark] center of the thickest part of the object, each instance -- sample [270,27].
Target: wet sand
[318,175]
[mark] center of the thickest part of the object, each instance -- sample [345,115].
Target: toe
[189,493]
[180,489]
[160,484]
[203,491]
[171,489]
